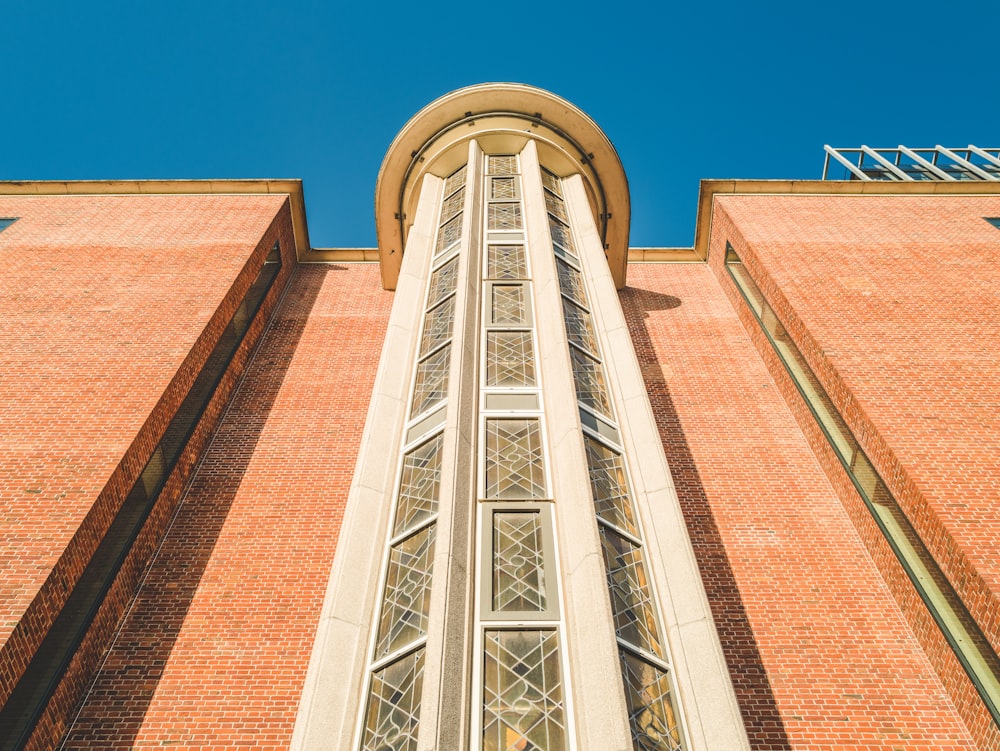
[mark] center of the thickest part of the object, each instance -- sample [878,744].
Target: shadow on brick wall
[118,702]
[753,689]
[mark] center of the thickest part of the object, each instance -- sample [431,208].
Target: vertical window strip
[395,676]
[452,205]
[646,678]
[523,699]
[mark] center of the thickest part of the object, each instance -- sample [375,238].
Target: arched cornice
[502,117]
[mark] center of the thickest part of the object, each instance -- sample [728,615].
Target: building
[506,482]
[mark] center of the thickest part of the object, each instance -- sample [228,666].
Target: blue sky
[317,90]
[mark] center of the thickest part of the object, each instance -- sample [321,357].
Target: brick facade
[111,306]
[236,588]
[905,344]
[819,652]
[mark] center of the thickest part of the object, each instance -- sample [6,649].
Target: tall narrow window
[396,664]
[645,668]
[522,702]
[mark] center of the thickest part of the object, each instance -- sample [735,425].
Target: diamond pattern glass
[518,579]
[455,181]
[514,459]
[635,620]
[443,282]
[571,282]
[504,216]
[431,385]
[556,206]
[449,234]
[522,692]
[609,486]
[588,375]
[651,713]
[407,592]
[561,235]
[503,187]
[551,182]
[579,327]
[437,326]
[452,206]
[394,705]
[501,165]
[510,359]
[419,486]
[508,303]
[506,262]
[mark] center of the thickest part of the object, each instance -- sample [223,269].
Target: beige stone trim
[662,255]
[290,187]
[595,675]
[332,698]
[341,255]
[501,116]
[712,188]
[707,701]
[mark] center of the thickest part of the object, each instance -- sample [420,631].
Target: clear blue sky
[318,90]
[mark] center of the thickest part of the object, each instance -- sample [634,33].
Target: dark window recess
[994,220]
[957,625]
[5,222]
[29,698]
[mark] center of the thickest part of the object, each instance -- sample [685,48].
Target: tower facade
[516,601]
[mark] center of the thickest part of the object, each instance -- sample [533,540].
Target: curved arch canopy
[502,117]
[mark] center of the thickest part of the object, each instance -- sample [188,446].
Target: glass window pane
[609,486]
[437,326]
[551,182]
[650,708]
[501,165]
[419,485]
[506,262]
[588,375]
[635,621]
[510,359]
[503,187]
[522,691]
[394,705]
[508,303]
[556,207]
[571,282]
[431,385]
[504,216]
[443,282]
[561,235]
[579,327]
[449,234]
[514,459]
[518,578]
[452,206]
[407,592]
[455,181]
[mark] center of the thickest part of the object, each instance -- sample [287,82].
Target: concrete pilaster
[332,697]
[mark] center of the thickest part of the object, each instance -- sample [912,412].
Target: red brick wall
[112,305]
[819,652]
[891,302]
[894,302]
[214,651]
